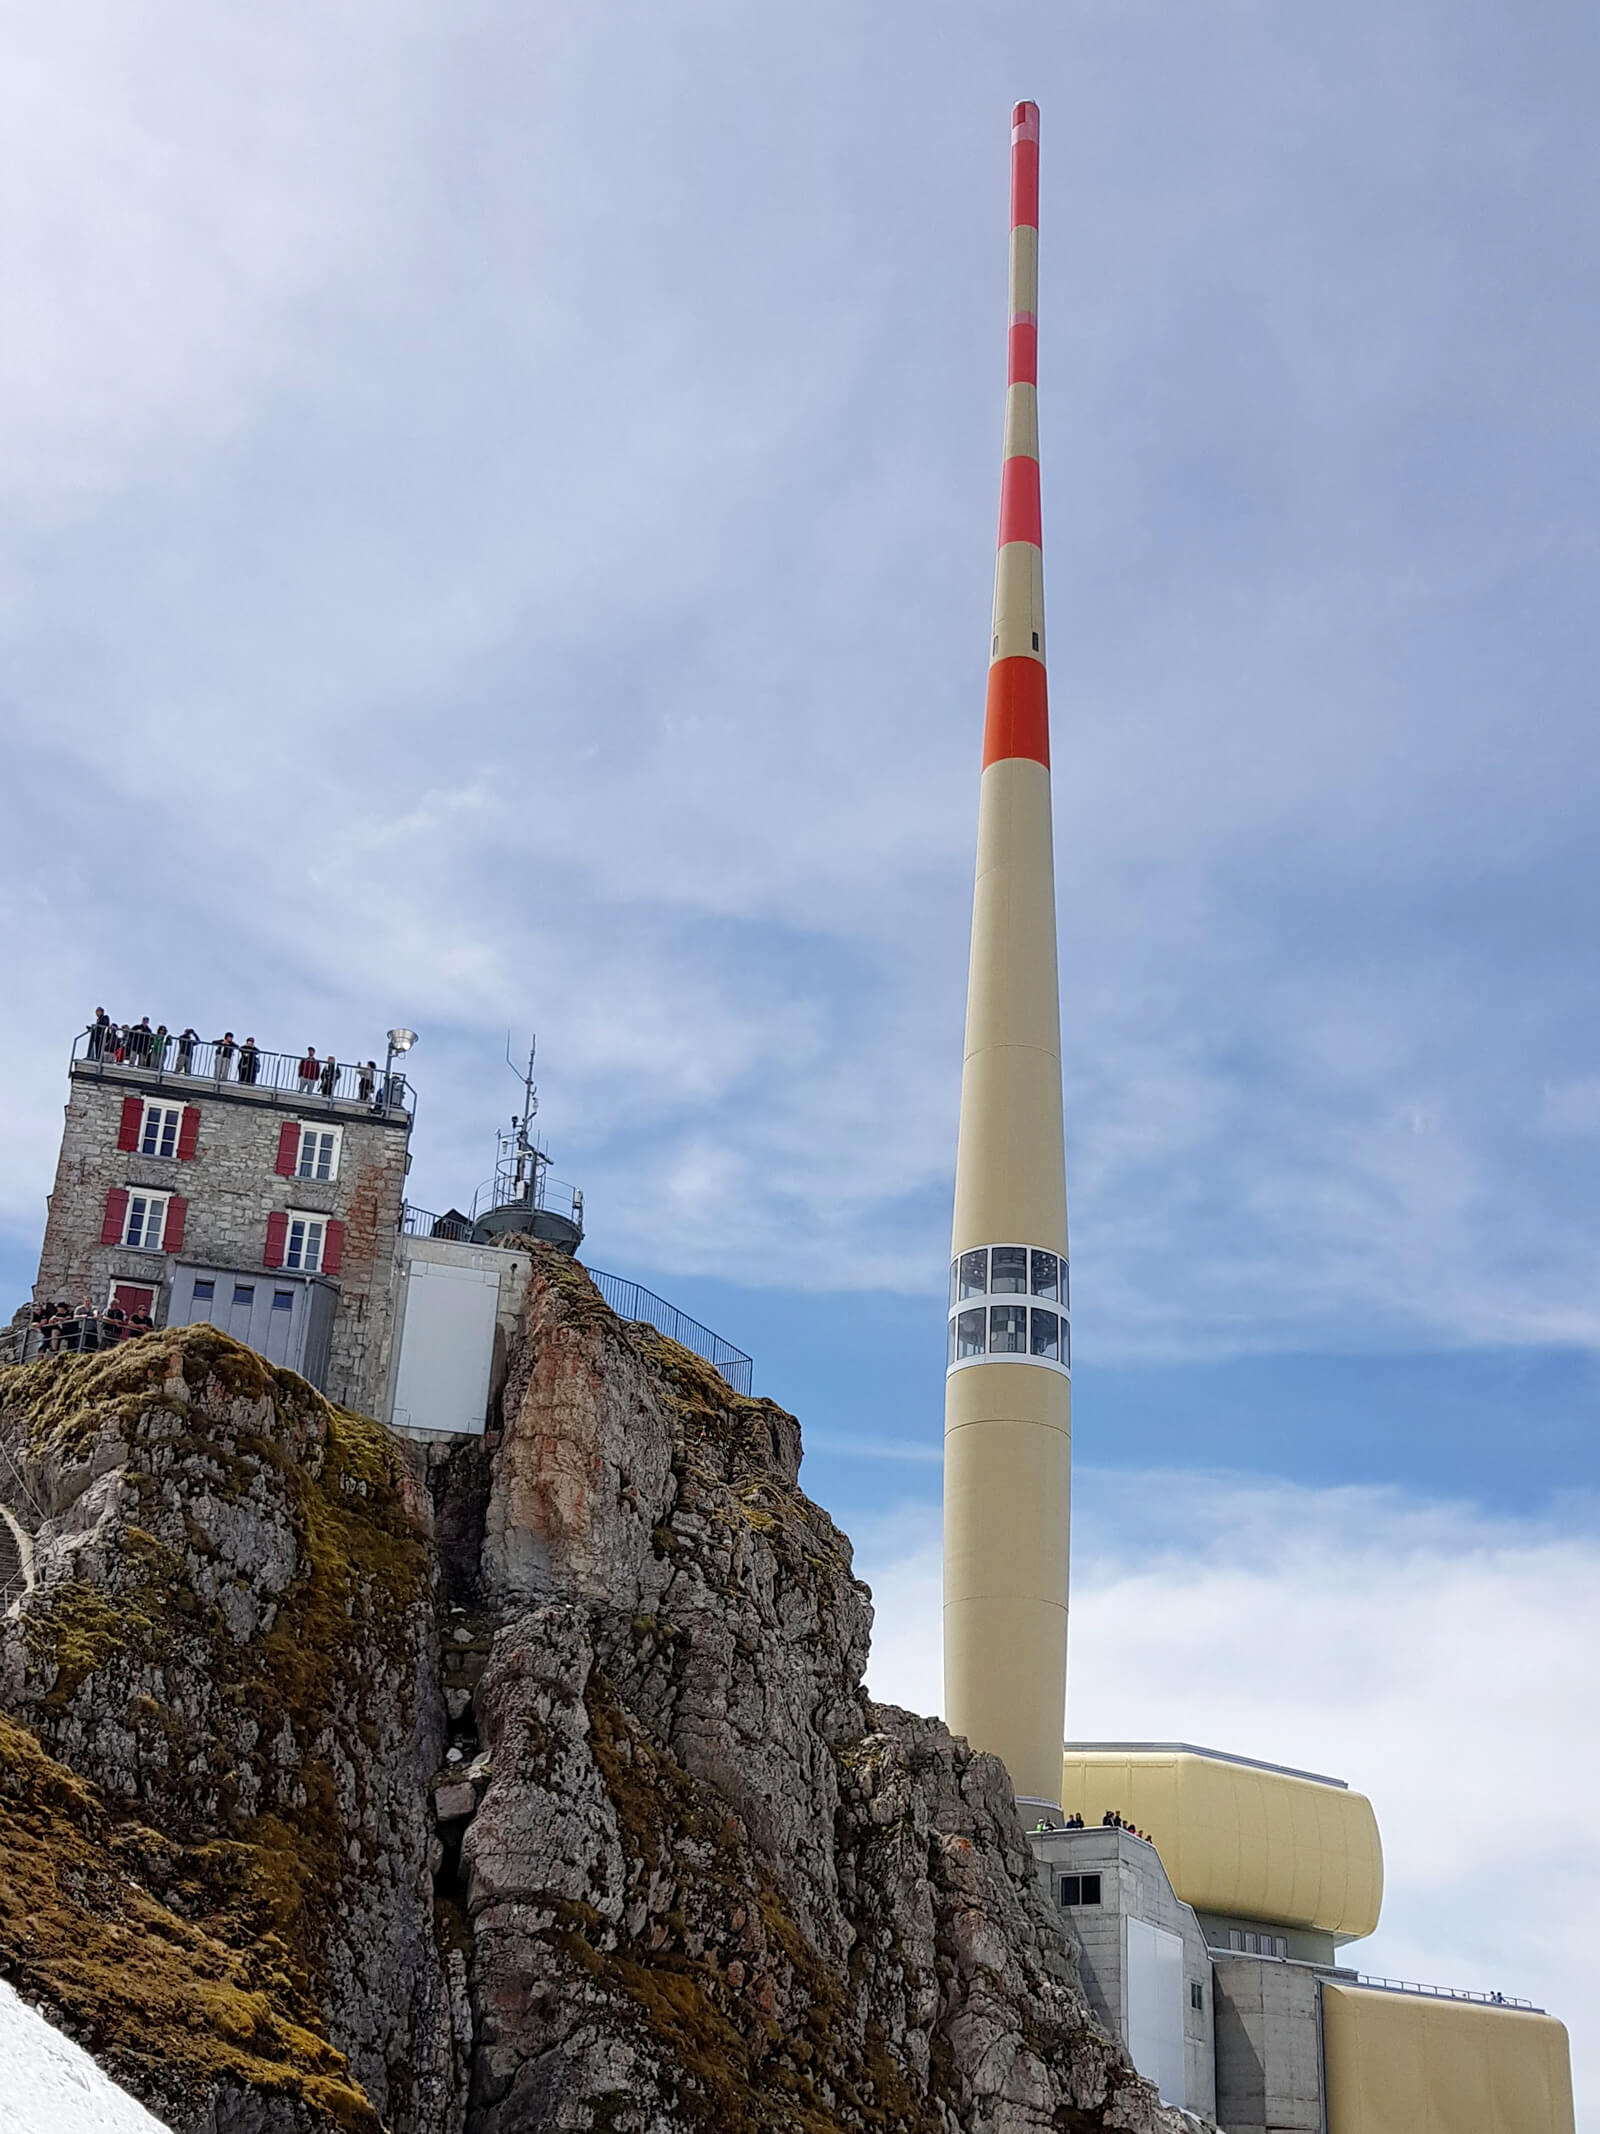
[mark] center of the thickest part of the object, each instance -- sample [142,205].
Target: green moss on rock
[230,1732]
[160,1999]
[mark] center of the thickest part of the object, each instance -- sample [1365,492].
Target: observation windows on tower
[966,1334]
[969,1277]
[1032,1327]
[1008,1329]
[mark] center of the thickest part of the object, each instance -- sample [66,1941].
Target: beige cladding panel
[1012,986]
[1007,1524]
[1005,1668]
[1010,1001]
[1009,1184]
[1397,2063]
[1010,1169]
[1007,1497]
[1243,1841]
[1022,421]
[1020,1392]
[1024,269]
[1018,603]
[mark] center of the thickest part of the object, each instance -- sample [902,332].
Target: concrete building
[1210,1940]
[1142,1954]
[211,1182]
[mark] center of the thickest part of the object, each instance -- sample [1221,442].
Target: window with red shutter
[132,1120]
[116,1215]
[177,1215]
[288,1152]
[189,1132]
[333,1248]
[277,1237]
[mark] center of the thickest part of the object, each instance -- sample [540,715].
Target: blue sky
[498,514]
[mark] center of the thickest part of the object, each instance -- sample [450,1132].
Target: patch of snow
[51,2086]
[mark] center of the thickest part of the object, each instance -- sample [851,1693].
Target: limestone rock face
[230,1644]
[709,1883]
[531,1786]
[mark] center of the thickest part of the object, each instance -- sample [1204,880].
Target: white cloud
[499,525]
[1441,1660]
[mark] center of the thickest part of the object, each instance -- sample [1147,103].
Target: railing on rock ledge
[631,1300]
[453,1226]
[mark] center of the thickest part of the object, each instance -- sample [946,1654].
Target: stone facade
[226,1186]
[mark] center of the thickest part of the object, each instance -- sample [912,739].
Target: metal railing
[1446,1993]
[549,1196]
[421,1222]
[79,1334]
[190,1065]
[16,1540]
[630,1300]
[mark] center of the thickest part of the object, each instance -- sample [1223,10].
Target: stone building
[255,1190]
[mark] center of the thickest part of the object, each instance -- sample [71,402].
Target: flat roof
[1190,1748]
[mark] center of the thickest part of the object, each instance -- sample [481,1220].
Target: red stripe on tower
[1017,719]
[1022,353]
[1019,501]
[1025,166]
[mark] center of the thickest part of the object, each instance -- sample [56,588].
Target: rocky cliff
[528,1783]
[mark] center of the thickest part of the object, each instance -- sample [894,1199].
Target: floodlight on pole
[400,1041]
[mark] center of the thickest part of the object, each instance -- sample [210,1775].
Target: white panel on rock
[1155,2007]
[446,1348]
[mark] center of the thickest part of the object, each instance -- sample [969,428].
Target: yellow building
[1209,1897]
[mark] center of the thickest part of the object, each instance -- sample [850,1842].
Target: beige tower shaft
[1008,1400]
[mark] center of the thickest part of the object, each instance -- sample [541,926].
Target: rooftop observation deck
[243,1073]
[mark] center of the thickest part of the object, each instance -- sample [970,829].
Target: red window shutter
[277,1238]
[288,1151]
[177,1216]
[189,1131]
[132,1120]
[116,1216]
[333,1248]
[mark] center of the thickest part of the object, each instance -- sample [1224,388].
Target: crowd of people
[78,1328]
[224,1058]
[1109,1821]
[138,1045]
[1112,1821]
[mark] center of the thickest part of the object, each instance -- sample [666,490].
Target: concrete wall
[231,1186]
[1268,2046]
[1133,1885]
